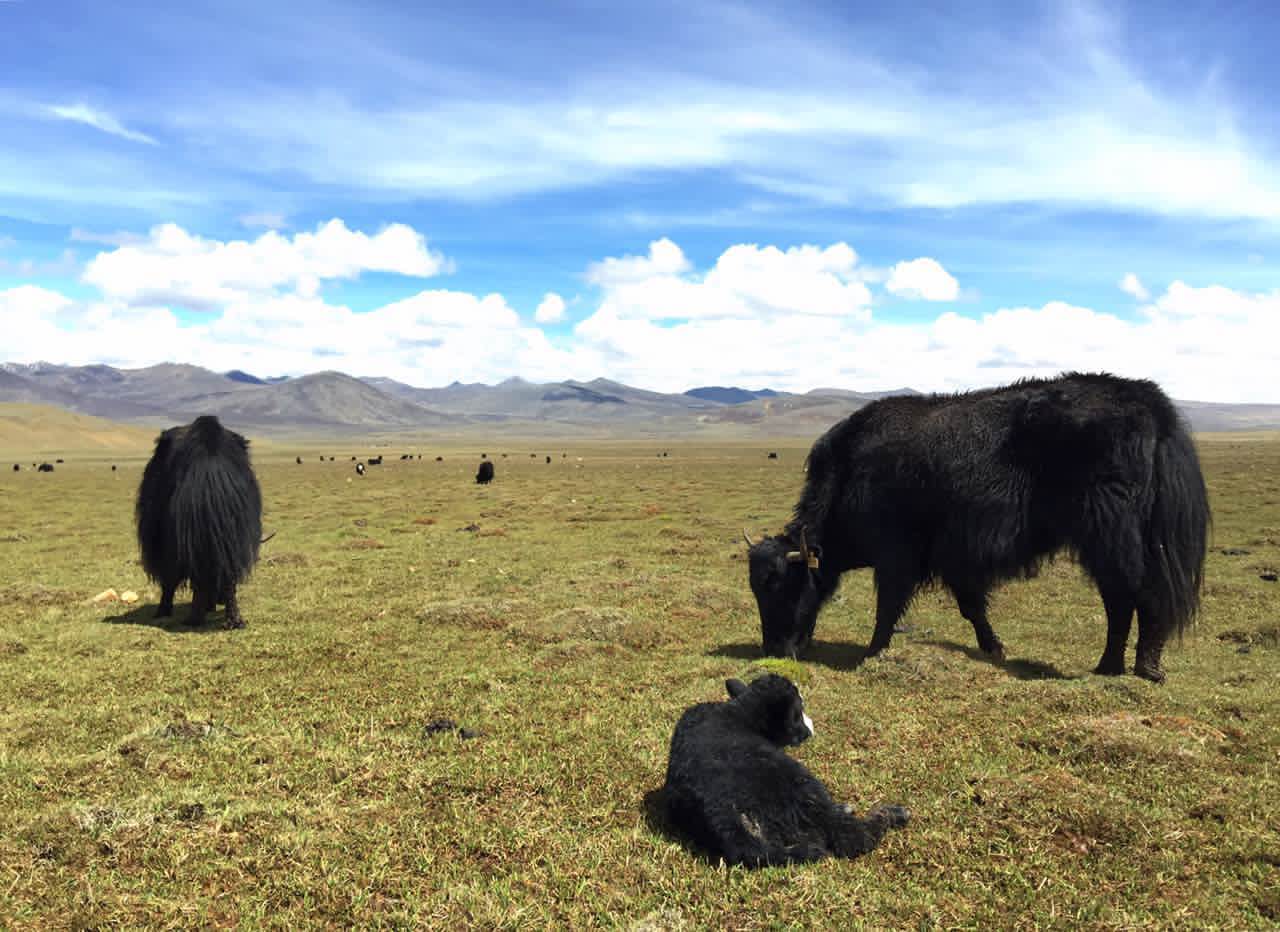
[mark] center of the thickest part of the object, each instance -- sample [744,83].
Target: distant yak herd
[966,491]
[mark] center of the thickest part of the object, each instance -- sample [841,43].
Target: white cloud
[99,120]
[1132,285]
[175,267]
[118,238]
[65,264]
[923,279]
[550,309]
[264,220]
[791,318]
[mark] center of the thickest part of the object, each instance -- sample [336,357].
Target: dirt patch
[425,521]
[601,625]
[12,648]
[1268,636]
[1125,738]
[365,543]
[287,558]
[471,614]
[38,595]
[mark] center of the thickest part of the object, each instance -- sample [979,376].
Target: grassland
[282,776]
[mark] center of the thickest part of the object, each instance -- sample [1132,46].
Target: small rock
[439,725]
[129,596]
[106,595]
[467,733]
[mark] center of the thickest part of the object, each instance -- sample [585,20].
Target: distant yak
[375,461]
[58,461]
[734,792]
[113,467]
[298,460]
[973,489]
[548,459]
[45,467]
[484,475]
[773,456]
[16,467]
[200,517]
[439,459]
[360,469]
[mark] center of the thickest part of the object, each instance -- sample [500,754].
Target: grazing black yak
[484,475]
[200,517]
[298,460]
[45,467]
[374,461]
[737,795]
[980,487]
[16,467]
[360,469]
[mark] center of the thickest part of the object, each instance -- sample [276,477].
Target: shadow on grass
[842,656]
[1021,669]
[834,654]
[654,808]
[145,616]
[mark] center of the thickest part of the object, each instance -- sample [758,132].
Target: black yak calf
[973,489]
[737,795]
[484,475]
[45,467]
[16,467]
[200,517]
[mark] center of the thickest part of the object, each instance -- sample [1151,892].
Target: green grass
[279,776]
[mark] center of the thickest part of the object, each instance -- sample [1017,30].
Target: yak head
[773,708]
[784,579]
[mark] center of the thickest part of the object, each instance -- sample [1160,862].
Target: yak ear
[735,687]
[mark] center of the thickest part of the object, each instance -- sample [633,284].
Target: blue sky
[785,194]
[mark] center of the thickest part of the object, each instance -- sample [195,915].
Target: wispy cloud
[117,238]
[99,120]
[264,220]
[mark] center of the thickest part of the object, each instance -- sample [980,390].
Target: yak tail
[217,515]
[1177,532]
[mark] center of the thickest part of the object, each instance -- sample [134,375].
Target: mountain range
[339,403]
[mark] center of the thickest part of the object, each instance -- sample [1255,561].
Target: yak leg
[973,606]
[892,597]
[165,608]
[1151,637]
[199,608]
[233,620]
[1119,605]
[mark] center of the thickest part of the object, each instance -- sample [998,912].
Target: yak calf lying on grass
[737,795]
[200,517]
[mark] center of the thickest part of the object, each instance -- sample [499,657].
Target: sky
[784,195]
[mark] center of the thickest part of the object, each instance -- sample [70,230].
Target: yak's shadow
[145,616]
[1020,669]
[654,808]
[843,656]
[837,655]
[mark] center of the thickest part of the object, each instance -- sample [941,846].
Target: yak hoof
[1109,668]
[994,650]
[893,816]
[232,623]
[1149,672]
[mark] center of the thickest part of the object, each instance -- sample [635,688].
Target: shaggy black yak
[484,475]
[973,489]
[200,517]
[734,792]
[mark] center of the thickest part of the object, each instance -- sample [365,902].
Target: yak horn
[795,556]
[267,538]
[747,538]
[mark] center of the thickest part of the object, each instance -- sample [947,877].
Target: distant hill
[729,396]
[169,393]
[236,375]
[34,429]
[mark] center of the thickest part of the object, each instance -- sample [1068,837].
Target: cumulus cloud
[922,279]
[173,266]
[99,120]
[793,318]
[1132,285]
[550,309]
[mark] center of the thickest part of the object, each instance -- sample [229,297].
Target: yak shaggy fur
[200,517]
[734,792]
[976,488]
